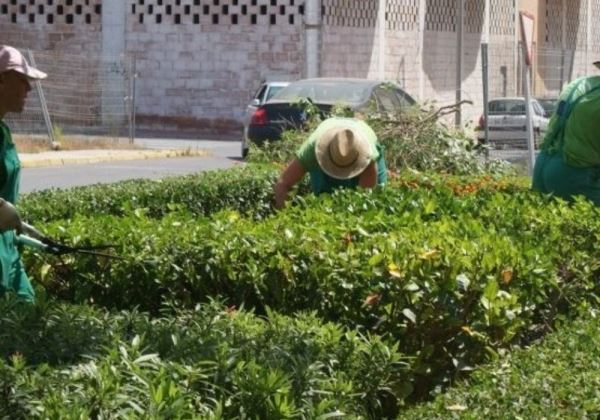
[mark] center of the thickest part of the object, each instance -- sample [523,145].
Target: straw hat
[343,151]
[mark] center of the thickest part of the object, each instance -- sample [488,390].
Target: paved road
[225,154]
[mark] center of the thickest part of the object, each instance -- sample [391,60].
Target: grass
[36,144]
[559,378]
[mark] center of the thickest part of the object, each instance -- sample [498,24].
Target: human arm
[9,216]
[368,177]
[291,175]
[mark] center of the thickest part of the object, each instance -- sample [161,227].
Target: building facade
[198,61]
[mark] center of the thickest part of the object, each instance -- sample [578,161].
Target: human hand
[9,217]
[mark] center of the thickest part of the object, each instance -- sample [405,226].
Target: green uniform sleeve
[306,154]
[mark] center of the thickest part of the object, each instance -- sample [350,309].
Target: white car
[262,95]
[507,123]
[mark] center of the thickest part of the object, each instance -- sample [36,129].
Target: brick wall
[199,63]
[200,60]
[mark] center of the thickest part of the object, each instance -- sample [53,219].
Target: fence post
[40,92]
[486,81]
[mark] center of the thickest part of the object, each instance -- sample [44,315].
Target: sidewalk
[71,157]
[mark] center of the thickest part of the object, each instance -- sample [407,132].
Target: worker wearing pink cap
[15,83]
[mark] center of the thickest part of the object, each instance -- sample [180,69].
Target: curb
[35,160]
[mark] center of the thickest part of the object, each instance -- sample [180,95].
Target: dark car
[285,110]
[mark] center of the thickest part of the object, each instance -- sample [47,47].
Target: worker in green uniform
[340,153]
[568,164]
[15,83]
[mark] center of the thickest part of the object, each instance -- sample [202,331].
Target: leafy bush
[414,139]
[453,271]
[210,362]
[417,140]
[557,379]
[247,190]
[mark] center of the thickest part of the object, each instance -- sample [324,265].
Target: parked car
[284,111]
[507,123]
[262,95]
[549,105]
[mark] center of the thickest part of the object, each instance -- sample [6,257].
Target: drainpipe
[381,36]
[422,11]
[588,40]
[114,15]
[459,58]
[312,33]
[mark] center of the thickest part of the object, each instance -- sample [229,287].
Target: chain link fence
[552,69]
[83,95]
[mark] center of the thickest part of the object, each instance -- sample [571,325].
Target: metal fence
[550,72]
[83,95]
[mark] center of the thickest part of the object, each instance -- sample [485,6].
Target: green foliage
[417,140]
[248,190]
[414,139]
[209,362]
[557,379]
[453,269]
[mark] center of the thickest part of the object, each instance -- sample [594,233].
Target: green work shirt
[580,142]
[319,180]
[13,274]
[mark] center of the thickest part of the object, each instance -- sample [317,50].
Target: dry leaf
[372,300]
[507,275]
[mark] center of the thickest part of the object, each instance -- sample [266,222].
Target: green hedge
[557,379]
[63,361]
[246,189]
[452,273]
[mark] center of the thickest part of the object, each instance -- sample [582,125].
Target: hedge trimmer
[31,237]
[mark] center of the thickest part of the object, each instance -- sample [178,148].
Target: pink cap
[12,59]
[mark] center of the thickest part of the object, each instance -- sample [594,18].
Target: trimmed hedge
[63,361]
[248,190]
[557,379]
[451,273]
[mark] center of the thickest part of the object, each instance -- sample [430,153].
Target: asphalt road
[224,154]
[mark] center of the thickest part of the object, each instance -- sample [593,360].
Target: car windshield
[507,106]
[329,92]
[513,107]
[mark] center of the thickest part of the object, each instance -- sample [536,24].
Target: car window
[507,106]
[260,93]
[387,99]
[272,91]
[405,99]
[537,108]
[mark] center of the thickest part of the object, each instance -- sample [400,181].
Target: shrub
[414,139]
[209,362]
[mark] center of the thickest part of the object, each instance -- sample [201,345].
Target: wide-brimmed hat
[12,59]
[343,151]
